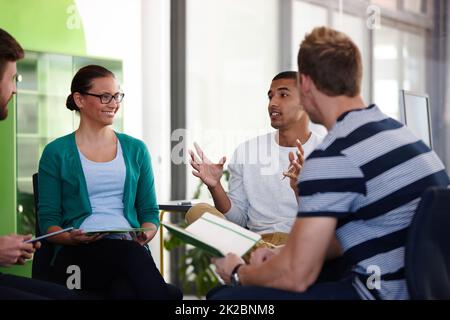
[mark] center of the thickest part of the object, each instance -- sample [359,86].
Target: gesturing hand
[295,166]
[210,173]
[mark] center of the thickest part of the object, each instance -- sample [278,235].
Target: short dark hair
[10,50]
[82,82]
[286,75]
[333,61]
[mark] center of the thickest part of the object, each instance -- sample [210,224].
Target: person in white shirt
[259,197]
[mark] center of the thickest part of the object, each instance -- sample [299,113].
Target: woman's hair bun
[70,103]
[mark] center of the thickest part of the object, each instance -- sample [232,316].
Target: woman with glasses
[96,179]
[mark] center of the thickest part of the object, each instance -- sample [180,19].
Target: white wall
[113,30]
[232,56]
[155,17]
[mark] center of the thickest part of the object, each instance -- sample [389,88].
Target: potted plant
[195,270]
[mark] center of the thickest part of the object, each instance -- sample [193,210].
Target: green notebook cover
[188,238]
[216,236]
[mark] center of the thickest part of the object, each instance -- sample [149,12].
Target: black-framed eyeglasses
[106,98]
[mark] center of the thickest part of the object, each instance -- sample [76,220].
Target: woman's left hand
[145,237]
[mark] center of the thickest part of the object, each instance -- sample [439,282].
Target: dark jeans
[340,290]
[20,288]
[123,269]
[328,286]
[334,270]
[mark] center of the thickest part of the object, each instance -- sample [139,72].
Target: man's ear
[305,83]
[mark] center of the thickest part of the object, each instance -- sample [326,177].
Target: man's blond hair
[333,62]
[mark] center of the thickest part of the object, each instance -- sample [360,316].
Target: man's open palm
[210,173]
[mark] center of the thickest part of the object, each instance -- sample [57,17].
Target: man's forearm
[299,262]
[277,273]
[220,197]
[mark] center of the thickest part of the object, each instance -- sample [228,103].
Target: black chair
[41,268]
[427,255]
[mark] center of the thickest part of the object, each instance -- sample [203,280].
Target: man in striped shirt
[358,191]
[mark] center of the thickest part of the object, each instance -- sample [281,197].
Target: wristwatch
[235,281]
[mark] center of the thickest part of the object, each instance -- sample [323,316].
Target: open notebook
[216,235]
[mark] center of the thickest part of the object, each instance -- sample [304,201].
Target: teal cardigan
[63,194]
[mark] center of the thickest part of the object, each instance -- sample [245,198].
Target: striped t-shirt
[370,172]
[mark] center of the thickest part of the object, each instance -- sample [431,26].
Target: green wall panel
[39,25]
[44,25]
[7,173]
[8,184]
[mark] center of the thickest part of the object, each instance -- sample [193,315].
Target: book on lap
[215,235]
[112,231]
